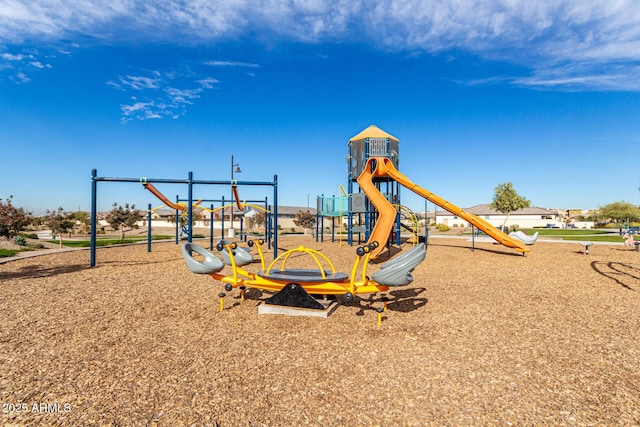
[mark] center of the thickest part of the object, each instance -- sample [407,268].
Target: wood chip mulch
[487,337]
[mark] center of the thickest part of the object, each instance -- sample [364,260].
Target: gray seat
[211,263]
[397,272]
[240,255]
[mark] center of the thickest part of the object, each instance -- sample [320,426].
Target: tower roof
[373,131]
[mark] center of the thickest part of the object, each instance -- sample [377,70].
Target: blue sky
[542,94]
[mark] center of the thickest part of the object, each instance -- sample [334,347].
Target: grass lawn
[107,242]
[579,235]
[5,253]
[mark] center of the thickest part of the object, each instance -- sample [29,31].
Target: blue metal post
[269,227]
[94,214]
[275,208]
[177,220]
[333,229]
[267,224]
[473,238]
[149,229]
[223,209]
[190,209]
[398,228]
[211,228]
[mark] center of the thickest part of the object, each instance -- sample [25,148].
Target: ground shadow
[40,270]
[621,273]
[131,263]
[405,301]
[250,295]
[471,249]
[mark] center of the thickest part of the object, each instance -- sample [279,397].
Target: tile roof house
[524,218]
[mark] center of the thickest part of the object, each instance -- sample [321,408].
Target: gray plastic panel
[211,263]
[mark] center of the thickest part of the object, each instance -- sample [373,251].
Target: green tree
[60,222]
[507,200]
[123,219]
[183,218]
[12,220]
[620,212]
[305,220]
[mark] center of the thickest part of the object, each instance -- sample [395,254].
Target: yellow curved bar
[233,263]
[352,278]
[285,257]
[159,207]
[257,207]
[315,258]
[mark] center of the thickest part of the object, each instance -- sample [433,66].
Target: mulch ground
[480,338]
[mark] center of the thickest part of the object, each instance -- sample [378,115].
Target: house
[523,218]
[286,215]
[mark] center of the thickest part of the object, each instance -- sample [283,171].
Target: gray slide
[211,263]
[397,272]
[527,240]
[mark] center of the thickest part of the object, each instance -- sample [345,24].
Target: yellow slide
[384,168]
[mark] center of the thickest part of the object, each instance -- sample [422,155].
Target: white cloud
[136,82]
[40,65]
[140,111]
[182,96]
[208,83]
[543,36]
[231,64]
[21,78]
[11,57]
[577,77]
[160,94]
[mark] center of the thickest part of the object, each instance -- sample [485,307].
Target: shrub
[12,220]
[20,240]
[443,227]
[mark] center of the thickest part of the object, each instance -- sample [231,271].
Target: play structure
[374,185]
[294,286]
[181,208]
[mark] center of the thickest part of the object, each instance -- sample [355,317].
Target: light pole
[237,166]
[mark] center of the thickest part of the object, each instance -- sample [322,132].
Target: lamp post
[237,166]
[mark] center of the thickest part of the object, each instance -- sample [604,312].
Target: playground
[487,337]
